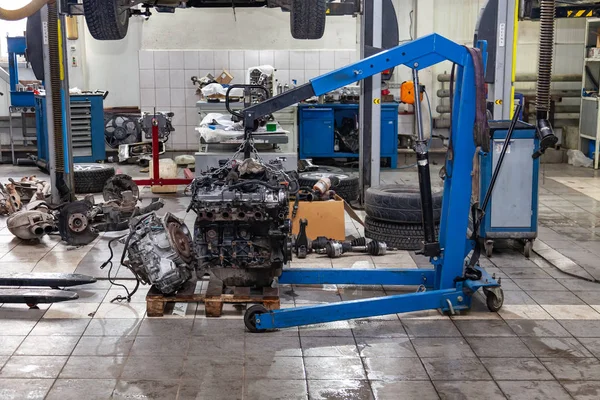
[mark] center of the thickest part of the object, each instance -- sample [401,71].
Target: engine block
[242,231]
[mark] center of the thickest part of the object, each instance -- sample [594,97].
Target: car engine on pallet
[242,233]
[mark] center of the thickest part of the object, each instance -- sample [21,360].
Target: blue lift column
[446,286]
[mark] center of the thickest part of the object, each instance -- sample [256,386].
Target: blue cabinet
[87,128]
[317,123]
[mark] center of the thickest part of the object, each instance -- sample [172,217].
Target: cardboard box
[325,218]
[224,78]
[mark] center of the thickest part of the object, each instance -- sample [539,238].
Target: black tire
[307,19]
[397,236]
[347,188]
[91,178]
[398,203]
[106,19]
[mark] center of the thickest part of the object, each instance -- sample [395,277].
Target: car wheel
[399,203]
[91,178]
[399,236]
[307,19]
[107,19]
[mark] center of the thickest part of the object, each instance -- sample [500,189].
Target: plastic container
[591,149]
[167,169]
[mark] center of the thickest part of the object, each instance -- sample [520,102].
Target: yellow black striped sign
[585,13]
[377,101]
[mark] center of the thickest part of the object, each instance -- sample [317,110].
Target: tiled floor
[543,344]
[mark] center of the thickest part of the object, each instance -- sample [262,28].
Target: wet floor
[543,344]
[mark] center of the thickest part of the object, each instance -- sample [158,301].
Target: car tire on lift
[347,188]
[106,19]
[307,19]
[91,178]
[399,236]
[400,204]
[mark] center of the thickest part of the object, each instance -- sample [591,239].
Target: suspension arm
[418,54]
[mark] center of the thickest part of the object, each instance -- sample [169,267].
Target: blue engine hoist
[455,276]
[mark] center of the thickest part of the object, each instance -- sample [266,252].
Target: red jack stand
[156,180]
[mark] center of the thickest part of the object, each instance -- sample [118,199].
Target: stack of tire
[394,216]
[347,188]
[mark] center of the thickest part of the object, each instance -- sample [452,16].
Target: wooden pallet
[216,295]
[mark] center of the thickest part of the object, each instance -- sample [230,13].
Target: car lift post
[369,103]
[58,110]
[448,288]
[498,26]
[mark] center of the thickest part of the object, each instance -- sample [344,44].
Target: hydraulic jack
[449,284]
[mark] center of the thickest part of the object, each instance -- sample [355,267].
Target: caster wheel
[494,298]
[250,317]
[489,248]
[32,306]
[527,248]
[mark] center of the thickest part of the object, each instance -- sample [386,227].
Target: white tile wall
[190,60]
[206,59]
[176,79]
[146,79]
[161,60]
[162,78]
[250,59]
[236,59]
[175,59]
[165,78]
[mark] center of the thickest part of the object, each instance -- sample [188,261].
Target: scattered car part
[121,129]
[91,178]
[74,224]
[400,236]
[28,225]
[119,184]
[31,188]
[335,249]
[302,245]
[80,222]
[160,251]
[10,201]
[399,203]
[347,188]
[140,153]
[164,120]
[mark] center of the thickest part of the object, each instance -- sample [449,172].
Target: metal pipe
[23,12]
[445,109]
[445,93]
[528,78]
[422,150]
